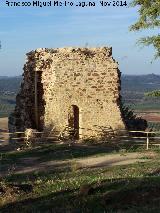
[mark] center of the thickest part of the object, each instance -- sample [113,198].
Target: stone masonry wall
[87,78]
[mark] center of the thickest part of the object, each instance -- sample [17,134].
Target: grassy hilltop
[119,175]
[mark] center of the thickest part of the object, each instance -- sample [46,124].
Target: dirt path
[31,164]
[115,159]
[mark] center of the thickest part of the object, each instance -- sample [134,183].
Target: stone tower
[74,87]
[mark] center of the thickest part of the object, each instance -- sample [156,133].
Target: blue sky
[25,29]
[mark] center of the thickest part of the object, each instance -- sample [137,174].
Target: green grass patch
[124,188]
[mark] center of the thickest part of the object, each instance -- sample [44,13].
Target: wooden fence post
[147,141]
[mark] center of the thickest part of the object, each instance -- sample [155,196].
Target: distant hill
[9,87]
[9,84]
[133,88]
[140,83]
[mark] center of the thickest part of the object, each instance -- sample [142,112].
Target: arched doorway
[73,121]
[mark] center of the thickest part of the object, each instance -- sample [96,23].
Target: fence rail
[147,136]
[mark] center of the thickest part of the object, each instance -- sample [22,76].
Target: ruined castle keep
[74,87]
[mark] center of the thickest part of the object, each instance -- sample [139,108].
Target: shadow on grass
[53,170]
[44,157]
[53,152]
[119,195]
